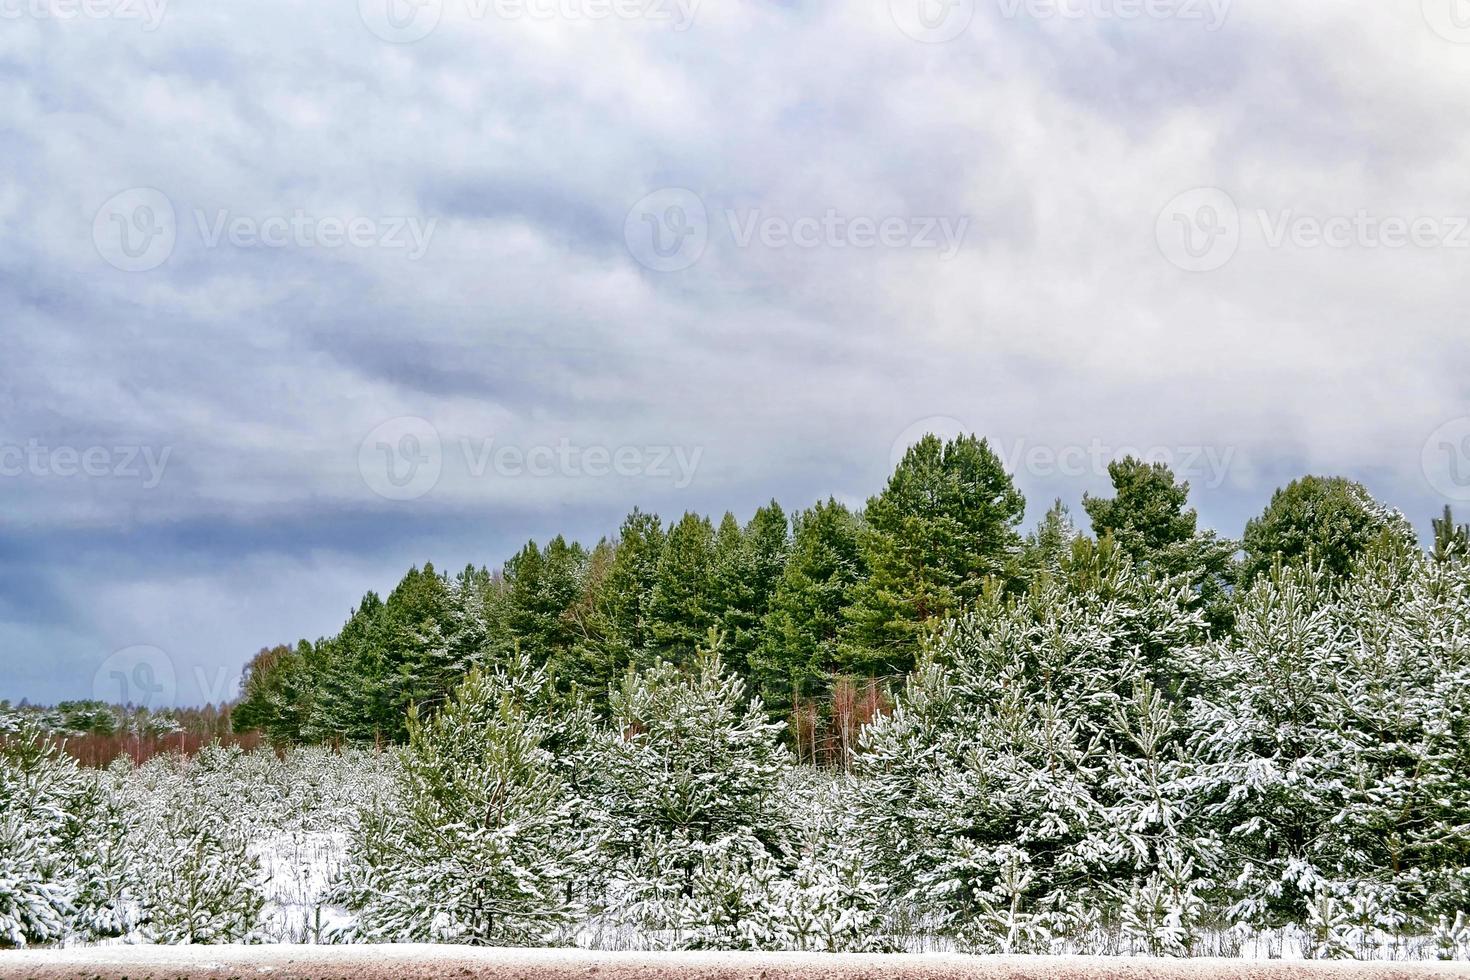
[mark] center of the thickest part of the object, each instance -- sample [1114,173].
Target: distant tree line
[91,717]
[823,612]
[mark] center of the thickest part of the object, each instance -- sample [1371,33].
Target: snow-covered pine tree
[188,841]
[105,862]
[1030,766]
[1271,782]
[39,789]
[1335,737]
[831,900]
[477,842]
[1402,701]
[686,780]
[199,882]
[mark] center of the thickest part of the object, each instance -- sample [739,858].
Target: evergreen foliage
[1030,778]
[1328,521]
[799,648]
[945,524]
[476,843]
[1149,520]
[1062,742]
[685,781]
[682,606]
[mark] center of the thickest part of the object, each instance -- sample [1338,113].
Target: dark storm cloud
[267,372]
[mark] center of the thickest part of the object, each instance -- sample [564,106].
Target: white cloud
[792,369]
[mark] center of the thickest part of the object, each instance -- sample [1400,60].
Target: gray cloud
[1057,325]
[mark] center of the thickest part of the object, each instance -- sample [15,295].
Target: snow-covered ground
[407,961]
[299,869]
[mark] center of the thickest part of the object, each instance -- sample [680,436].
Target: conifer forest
[914,725]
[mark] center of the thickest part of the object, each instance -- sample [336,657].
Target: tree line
[823,612]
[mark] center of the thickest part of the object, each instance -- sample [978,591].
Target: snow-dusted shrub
[830,899]
[684,792]
[106,860]
[41,804]
[1030,785]
[476,841]
[199,883]
[34,906]
[1335,734]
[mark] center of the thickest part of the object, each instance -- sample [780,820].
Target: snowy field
[408,961]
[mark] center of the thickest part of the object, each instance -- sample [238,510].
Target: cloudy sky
[296,294]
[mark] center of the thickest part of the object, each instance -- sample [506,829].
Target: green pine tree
[1325,520]
[748,564]
[539,586]
[1451,540]
[682,608]
[478,843]
[276,693]
[1047,547]
[1149,518]
[799,650]
[945,524]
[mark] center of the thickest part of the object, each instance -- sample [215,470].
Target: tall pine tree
[682,608]
[799,650]
[944,524]
[1149,518]
[1328,521]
